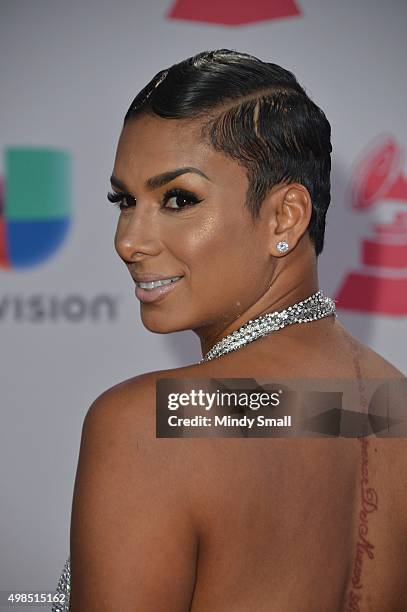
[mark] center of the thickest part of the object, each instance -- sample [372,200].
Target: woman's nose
[136,236]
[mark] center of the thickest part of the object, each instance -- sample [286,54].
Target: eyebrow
[161,179]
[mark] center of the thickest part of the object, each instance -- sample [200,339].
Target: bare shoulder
[134,399]
[133,507]
[123,419]
[372,363]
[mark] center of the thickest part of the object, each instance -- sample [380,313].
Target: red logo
[232,13]
[379,188]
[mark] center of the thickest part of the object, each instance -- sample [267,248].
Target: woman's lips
[151,295]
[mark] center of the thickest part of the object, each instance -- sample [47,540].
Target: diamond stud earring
[282,246]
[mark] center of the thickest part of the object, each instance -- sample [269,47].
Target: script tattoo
[368,502]
[364,547]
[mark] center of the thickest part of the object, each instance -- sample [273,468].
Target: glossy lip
[151,295]
[146,278]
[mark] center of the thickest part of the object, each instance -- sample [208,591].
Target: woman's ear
[292,208]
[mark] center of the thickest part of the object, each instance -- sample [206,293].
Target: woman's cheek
[200,240]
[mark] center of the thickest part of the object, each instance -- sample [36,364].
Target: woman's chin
[159,324]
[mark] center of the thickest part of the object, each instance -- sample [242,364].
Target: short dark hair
[258,114]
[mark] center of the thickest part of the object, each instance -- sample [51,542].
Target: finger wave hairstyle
[256,113]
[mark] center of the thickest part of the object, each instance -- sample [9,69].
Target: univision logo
[35,218]
[35,205]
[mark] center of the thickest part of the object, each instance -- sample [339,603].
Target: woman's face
[211,243]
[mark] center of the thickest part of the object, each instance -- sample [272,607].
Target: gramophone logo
[35,205]
[379,189]
[232,13]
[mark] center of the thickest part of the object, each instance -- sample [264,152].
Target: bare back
[301,524]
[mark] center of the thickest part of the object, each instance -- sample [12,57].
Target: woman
[222,177]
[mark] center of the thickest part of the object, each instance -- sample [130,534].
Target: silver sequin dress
[63,587]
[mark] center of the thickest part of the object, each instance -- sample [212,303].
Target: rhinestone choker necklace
[314,307]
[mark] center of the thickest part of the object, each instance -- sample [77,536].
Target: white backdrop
[68,73]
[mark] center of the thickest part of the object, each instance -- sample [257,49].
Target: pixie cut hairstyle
[256,113]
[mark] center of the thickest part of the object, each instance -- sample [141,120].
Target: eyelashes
[121,200]
[124,201]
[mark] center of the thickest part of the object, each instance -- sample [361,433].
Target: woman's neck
[277,297]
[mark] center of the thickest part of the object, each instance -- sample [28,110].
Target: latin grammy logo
[232,13]
[380,285]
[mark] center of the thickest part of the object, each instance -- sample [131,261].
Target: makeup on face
[152,291]
[183,214]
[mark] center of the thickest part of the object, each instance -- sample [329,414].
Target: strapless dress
[64,588]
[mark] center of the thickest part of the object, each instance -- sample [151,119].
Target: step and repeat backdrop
[69,320]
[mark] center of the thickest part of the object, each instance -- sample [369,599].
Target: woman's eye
[174,199]
[121,200]
[179,199]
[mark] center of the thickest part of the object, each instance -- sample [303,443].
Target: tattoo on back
[364,547]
